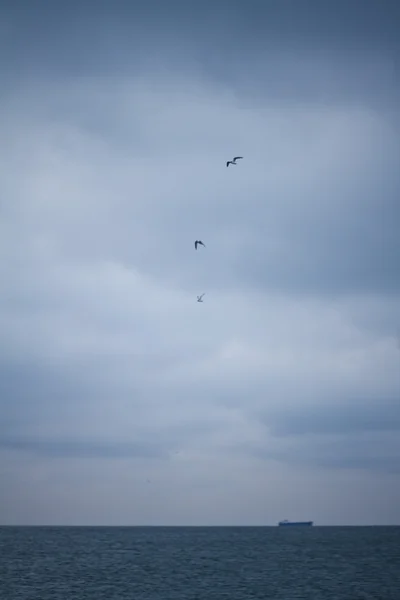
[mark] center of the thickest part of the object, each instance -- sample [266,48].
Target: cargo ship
[287,523]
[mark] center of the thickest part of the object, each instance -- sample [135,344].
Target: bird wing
[195,245]
[237,157]
[228,163]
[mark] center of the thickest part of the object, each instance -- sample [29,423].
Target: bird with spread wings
[233,162]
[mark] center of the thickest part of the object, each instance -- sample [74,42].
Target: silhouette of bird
[200,298]
[197,242]
[233,162]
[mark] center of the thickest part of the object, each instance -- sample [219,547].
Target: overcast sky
[122,399]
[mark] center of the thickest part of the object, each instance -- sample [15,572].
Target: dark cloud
[335,453]
[310,21]
[249,46]
[338,417]
[79,449]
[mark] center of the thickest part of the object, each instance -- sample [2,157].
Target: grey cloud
[113,164]
[370,452]
[76,448]
[308,22]
[335,458]
[384,464]
[304,226]
[55,410]
[249,46]
[338,417]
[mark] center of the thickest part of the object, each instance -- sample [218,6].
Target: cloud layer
[123,400]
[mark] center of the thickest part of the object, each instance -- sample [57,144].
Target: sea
[199,563]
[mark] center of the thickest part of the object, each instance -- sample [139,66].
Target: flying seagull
[197,242]
[199,298]
[233,162]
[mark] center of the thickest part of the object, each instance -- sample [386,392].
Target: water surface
[183,563]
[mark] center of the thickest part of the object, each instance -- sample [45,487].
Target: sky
[124,401]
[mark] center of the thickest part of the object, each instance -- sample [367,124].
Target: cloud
[73,448]
[110,372]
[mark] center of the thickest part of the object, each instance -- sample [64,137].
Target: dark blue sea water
[183,563]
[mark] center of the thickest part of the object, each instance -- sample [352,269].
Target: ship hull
[295,523]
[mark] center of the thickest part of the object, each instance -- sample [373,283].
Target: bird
[233,162]
[197,242]
[199,298]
